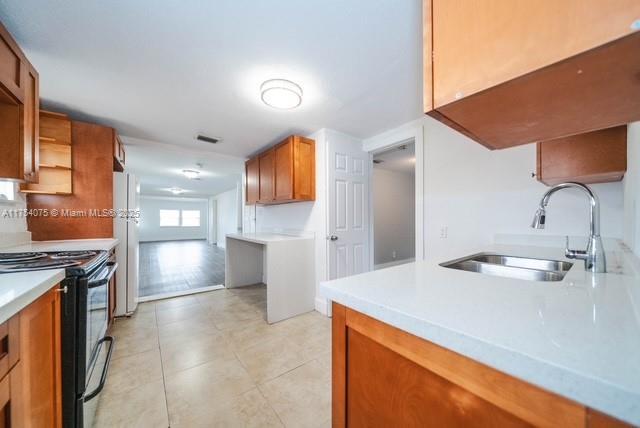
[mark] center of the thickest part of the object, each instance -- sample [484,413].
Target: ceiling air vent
[206,139]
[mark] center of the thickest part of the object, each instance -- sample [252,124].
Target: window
[190,218]
[169,218]
[7,192]
[179,218]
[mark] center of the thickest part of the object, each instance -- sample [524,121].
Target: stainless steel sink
[512,266]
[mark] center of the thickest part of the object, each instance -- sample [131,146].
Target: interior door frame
[409,133]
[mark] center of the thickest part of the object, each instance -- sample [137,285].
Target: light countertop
[266,238]
[579,337]
[18,290]
[65,245]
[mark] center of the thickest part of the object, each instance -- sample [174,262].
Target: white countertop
[266,238]
[579,337]
[18,290]
[66,245]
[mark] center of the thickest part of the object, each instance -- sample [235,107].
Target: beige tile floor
[210,360]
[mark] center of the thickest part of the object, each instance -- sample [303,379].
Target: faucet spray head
[539,219]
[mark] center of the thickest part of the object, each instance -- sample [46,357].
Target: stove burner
[38,265]
[69,255]
[20,257]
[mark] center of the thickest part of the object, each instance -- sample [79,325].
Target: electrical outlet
[444,231]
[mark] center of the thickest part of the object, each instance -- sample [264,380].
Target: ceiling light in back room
[176,190]
[191,174]
[281,94]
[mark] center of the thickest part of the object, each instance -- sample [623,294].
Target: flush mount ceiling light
[176,190]
[191,174]
[281,94]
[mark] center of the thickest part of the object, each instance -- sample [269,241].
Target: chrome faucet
[593,256]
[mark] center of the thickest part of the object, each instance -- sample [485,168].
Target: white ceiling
[159,168]
[165,71]
[398,159]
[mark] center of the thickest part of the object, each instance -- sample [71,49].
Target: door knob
[333,238]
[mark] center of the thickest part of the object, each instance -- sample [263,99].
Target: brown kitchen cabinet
[92,174]
[285,173]
[595,157]
[508,73]
[252,171]
[54,158]
[30,365]
[118,153]
[383,376]
[19,107]
[266,173]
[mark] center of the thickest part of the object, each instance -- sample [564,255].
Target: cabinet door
[594,157]
[40,362]
[11,65]
[252,167]
[482,43]
[31,133]
[267,163]
[284,170]
[304,169]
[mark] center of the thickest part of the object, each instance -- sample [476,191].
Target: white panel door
[348,206]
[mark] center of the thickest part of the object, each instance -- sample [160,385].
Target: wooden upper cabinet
[52,159]
[31,133]
[266,163]
[12,65]
[506,72]
[595,157]
[284,170]
[19,106]
[118,153]
[285,173]
[252,171]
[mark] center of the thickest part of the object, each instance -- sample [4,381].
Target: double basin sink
[512,266]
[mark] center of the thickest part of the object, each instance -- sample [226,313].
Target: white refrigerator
[126,191]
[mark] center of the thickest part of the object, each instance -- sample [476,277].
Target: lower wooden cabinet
[383,376]
[30,393]
[594,157]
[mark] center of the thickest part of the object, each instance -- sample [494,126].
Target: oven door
[97,310]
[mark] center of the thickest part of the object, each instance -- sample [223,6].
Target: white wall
[13,230]
[212,236]
[393,215]
[150,229]
[632,189]
[474,193]
[228,216]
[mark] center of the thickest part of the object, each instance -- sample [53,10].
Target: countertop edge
[609,399]
[10,309]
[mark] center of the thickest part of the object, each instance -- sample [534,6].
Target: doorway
[393,205]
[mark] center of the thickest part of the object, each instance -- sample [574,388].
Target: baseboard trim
[179,293]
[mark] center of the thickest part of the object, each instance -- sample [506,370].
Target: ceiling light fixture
[176,190]
[191,174]
[281,94]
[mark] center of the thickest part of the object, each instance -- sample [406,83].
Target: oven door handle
[105,369]
[103,278]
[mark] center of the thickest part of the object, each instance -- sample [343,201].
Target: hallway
[175,266]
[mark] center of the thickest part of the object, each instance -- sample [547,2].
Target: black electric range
[86,349]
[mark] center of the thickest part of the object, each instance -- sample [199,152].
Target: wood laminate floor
[173,266]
